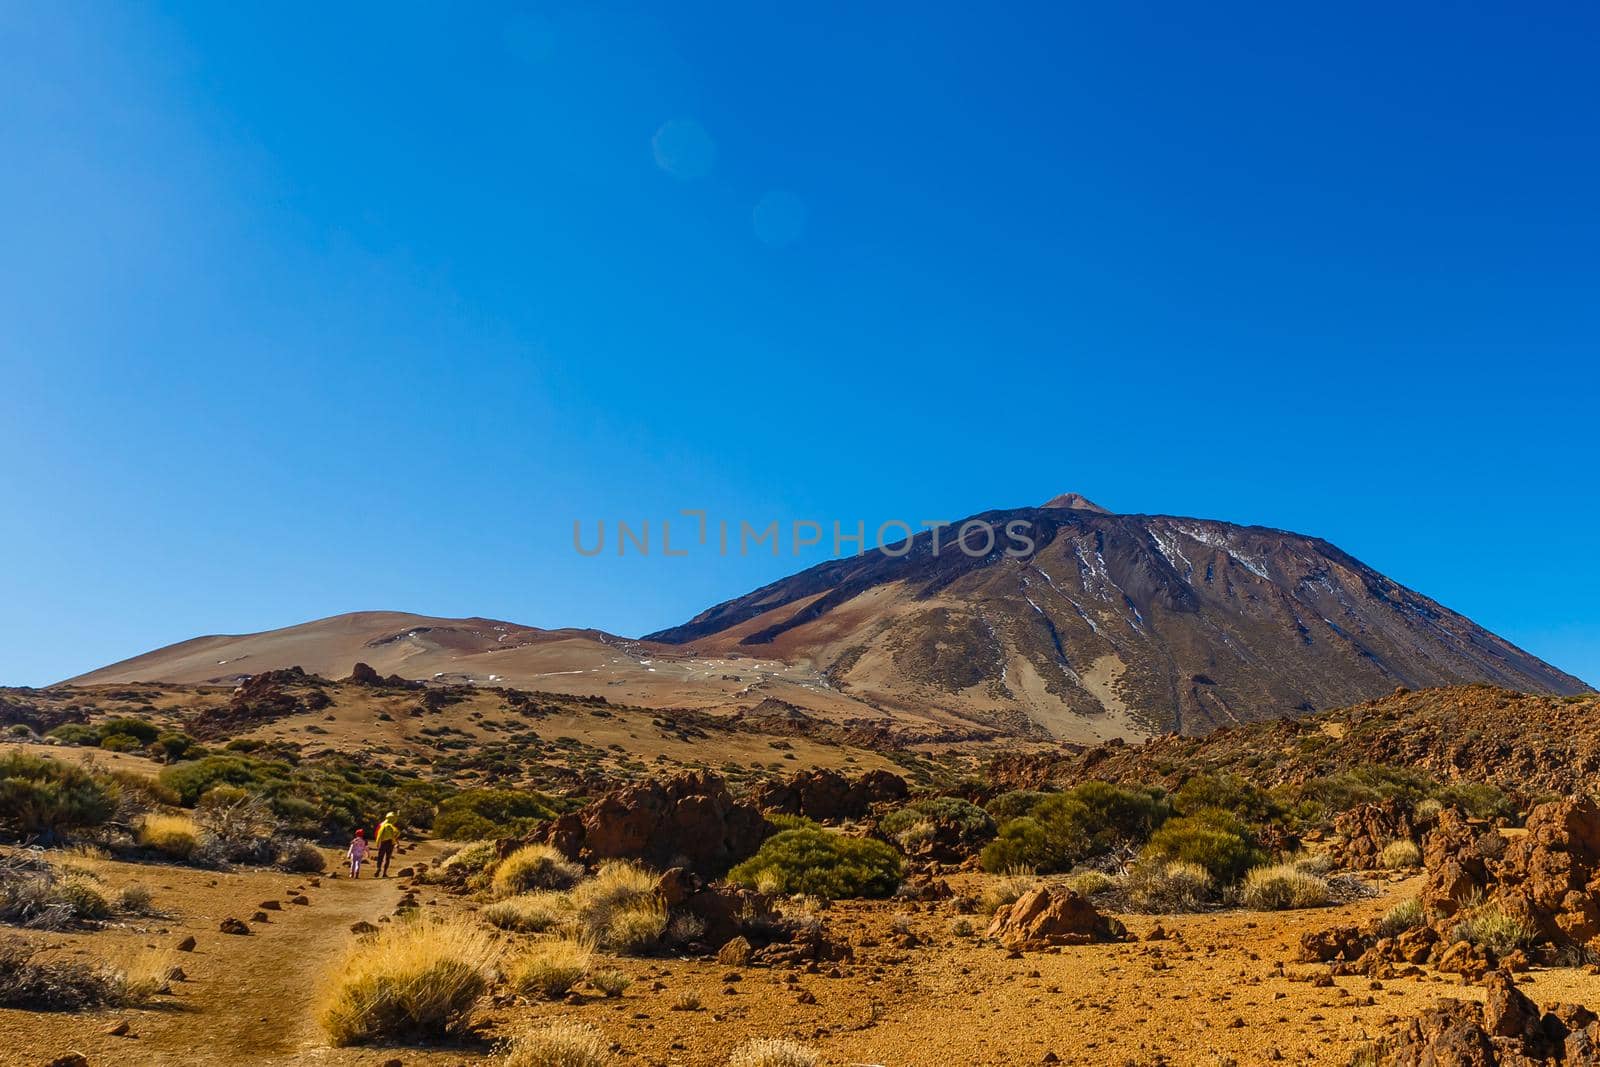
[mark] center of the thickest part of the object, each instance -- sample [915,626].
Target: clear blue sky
[345,307]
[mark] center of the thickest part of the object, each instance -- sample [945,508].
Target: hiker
[388,833]
[357,853]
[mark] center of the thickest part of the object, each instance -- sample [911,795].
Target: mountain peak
[1076,501]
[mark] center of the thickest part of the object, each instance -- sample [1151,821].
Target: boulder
[1052,915]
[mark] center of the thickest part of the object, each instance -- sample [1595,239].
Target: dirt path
[257,994]
[245,999]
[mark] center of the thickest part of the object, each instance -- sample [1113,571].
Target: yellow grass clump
[621,895]
[559,1044]
[174,836]
[1398,855]
[550,968]
[772,1052]
[416,979]
[1282,886]
[534,867]
[635,928]
[530,913]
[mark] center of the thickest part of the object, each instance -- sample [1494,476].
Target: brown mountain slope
[1113,625]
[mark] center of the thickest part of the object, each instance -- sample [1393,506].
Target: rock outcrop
[690,821]
[1052,915]
[829,796]
[1366,830]
[1507,1030]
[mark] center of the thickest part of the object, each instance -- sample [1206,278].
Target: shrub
[1225,792]
[618,905]
[139,730]
[82,900]
[610,982]
[1491,927]
[535,867]
[550,968]
[822,864]
[1428,809]
[48,797]
[531,913]
[773,1052]
[1398,855]
[1406,915]
[1014,805]
[948,818]
[55,985]
[174,836]
[463,865]
[414,980]
[1063,829]
[35,894]
[235,814]
[173,747]
[477,814]
[1283,886]
[1324,797]
[298,855]
[1479,799]
[134,899]
[1170,886]
[76,733]
[1212,839]
[559,1044]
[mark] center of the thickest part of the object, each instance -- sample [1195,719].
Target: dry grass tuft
[1283,886]
[530,913]
[550,968]
[559,1044]
[1088,883]
[1406,915]
[611,982]
[773,1052]
[1170,887]
[413,980]
[1399,855]
[635,929]
[174,836]
[535,867]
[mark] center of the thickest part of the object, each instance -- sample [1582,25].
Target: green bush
[1064,829]
[48,797]
[822,864]
[952,818]
[1226,792]
[190,780]
[1320,799]
[142,732]
[173,747]
[1215,840]
[1479,799]
[76,733]
[1014,805]
[478,814]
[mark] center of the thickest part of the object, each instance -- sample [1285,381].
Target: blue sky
[314,310]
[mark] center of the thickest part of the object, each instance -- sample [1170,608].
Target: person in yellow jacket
[388,833]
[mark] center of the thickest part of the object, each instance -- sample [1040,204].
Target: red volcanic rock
[690,821]
[1051,915]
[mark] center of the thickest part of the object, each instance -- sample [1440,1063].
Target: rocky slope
[1071,621]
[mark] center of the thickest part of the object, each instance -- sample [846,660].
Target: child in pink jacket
[357,853]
